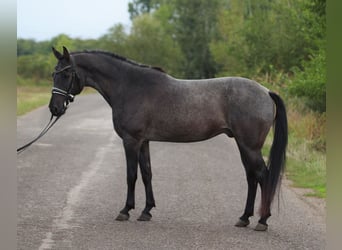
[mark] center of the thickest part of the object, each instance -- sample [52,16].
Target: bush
[309,83]
[35,66]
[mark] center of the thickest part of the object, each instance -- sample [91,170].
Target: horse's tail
[277,157]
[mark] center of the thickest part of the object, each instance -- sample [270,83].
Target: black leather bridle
[66,93]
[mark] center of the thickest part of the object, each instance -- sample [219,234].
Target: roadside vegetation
[280,43]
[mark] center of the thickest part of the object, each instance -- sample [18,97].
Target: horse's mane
[119,57]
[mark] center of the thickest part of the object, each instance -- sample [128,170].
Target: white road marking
[44,144]
[73,198]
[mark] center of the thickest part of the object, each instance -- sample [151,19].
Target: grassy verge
[310,174]
[306,165]
[306,156]
[32,97]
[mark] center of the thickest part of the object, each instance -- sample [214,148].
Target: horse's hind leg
[265,209]
[249,208]
[248,163]
[146,173]
[256,172]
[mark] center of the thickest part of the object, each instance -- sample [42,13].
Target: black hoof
[122,217]
[242,223]
[261,227]
[145,217]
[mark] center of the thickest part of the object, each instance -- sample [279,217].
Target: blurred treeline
[277,42]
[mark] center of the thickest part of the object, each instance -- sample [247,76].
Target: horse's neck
[111,78]
[100,75]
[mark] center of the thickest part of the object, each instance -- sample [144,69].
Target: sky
[43,19]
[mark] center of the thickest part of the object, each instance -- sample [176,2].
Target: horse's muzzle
[57,106]
[56,112]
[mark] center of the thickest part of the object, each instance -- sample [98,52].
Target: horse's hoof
[145,217]
[242,223]
[122,217]
[261,227]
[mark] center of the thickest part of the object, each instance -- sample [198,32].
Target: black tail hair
[277,157]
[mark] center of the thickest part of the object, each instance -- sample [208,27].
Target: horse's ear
[66,54]
[58,55]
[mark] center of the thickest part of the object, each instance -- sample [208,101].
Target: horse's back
[237,97]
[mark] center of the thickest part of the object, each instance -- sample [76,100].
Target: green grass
[305,166]
[307,175]
[32,97]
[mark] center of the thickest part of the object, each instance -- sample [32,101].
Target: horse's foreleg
[132,148]
[146,173]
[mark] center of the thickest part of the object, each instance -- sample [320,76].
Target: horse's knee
[132,178]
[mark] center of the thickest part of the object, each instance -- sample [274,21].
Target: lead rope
[44,131]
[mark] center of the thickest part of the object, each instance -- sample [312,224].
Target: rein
[68,98]
[44,131]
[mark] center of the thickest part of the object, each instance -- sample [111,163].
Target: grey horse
[150,105]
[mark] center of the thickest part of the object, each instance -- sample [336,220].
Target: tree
[310,77]
[25,47]
[115,40]
[195,26]
[150,43]
[36,67]
[63,40]
[262,37]
[227,48]
[30,47]
[310,83]
[139,7]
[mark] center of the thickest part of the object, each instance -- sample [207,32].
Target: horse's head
[66,83]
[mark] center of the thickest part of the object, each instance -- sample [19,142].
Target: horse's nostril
[54,110]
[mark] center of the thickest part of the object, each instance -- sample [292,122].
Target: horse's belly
[188,115]
[177,130]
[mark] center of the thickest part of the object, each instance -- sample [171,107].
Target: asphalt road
[72,184]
